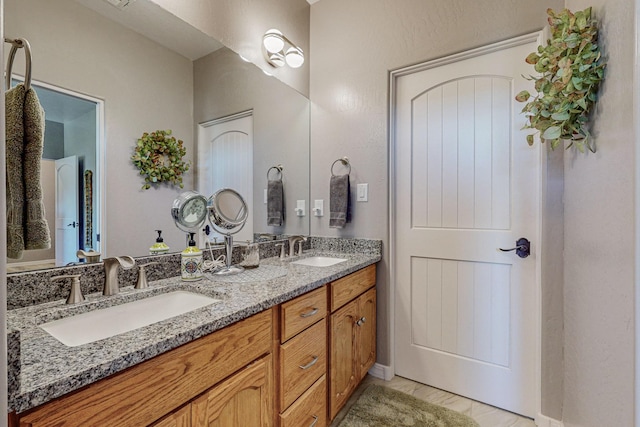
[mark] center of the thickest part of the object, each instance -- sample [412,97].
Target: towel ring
[15,45]
[344,161]
[279,168]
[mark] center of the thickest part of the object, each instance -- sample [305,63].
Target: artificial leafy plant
[158,156]
[571,69]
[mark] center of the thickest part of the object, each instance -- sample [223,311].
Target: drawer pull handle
[315,420]
[310,364]
[309,313]
[361,321]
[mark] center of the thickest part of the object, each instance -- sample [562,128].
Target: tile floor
[485,415]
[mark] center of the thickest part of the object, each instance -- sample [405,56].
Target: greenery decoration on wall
[158,156]
[571,69]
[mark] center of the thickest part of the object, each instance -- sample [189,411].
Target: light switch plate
[363,193]
[318,207]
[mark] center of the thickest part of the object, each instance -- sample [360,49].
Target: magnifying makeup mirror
[189,211]
[228,213]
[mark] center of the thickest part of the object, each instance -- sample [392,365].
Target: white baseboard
[382,372]
[544,421]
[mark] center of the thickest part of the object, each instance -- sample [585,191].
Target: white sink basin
[319,261]
[106,322]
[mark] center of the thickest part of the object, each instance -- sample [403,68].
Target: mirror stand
[228,269]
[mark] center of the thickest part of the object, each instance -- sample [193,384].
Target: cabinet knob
[361,321]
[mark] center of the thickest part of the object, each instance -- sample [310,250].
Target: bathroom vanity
[285,351]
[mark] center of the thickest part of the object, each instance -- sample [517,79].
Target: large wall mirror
[93,49]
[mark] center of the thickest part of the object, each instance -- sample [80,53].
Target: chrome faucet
[292,244]
[111,273]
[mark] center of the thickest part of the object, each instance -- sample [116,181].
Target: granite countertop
[43,368]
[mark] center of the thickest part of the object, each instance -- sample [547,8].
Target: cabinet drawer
[347,288]
[310,409]
[143,393]
[303,360]
[296,315]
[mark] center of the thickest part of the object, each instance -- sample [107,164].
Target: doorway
[225,160]
[465,183]
[74,125]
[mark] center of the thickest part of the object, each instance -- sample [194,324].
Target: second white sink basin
[107,322]
[319,261]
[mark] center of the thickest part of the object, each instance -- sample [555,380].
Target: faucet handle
[283,253]
[75,293]
[142,276]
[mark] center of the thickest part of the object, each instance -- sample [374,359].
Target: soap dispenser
[159,247]
[191,261]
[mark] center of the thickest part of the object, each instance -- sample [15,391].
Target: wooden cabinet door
[344,369]
[244,399]
[366,334]
[179,418]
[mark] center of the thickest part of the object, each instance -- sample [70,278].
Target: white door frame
[393,76]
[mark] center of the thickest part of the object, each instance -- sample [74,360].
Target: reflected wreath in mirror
[158,155]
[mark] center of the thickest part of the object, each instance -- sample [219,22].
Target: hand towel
[35,226]
[275,202]
[339,201]
[14,150]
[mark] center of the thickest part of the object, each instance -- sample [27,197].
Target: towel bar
[279,168]
[344,161]
[15,45]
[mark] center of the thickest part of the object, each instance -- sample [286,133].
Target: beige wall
[355,43]
[599,241]
[145,87]
[240,25]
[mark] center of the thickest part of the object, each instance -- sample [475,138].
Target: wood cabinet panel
[367,339]
[349,287]
[242,400]
[310,409]
[142,393]
[302,312]
[352,348]
[179,418]
[303,360]
[343,369]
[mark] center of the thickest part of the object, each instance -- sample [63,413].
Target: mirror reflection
[147,86]
[69,176]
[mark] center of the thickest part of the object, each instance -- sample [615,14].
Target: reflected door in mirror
[225,160]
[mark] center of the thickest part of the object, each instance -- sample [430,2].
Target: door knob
[73,224]
[523,248]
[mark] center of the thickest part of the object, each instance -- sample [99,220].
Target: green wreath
[158,156]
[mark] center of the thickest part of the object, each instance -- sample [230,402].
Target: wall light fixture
[279,50]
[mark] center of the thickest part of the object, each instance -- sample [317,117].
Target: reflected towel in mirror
[275,202]
[26,226]
[339,201]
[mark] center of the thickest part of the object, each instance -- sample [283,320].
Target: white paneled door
[67,199]
[225,160]
[466,184]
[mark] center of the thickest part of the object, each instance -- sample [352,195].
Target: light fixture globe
[294,57]
[273,41]
[276,59]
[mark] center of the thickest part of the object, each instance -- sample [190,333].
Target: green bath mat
[383,407]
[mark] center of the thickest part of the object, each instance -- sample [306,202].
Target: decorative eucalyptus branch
[571,69]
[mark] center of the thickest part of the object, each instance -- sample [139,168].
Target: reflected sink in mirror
[107,322]
[319,261]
